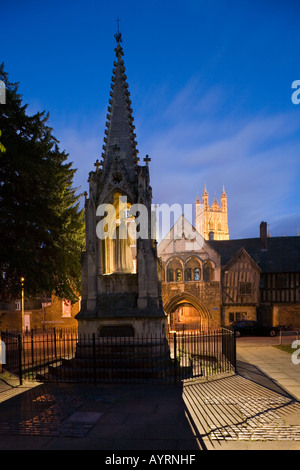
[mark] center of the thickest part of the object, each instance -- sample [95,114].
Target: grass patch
[285,347]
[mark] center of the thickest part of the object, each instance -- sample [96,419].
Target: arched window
[174,271]
[208,272]
[178,275]
[192,270]
[170,275]
[196,274]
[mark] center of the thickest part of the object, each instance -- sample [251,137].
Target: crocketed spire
[120,138]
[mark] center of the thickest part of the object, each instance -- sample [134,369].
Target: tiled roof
[282,253]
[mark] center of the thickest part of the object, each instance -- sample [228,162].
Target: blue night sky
[210,85]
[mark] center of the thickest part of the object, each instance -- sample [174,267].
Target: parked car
[253,328]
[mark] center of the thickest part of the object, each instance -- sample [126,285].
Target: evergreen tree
[41,224]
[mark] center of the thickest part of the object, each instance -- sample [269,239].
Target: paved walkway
[274,363]
[256,409]
[100,417]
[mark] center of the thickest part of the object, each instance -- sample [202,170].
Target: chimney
[263,235]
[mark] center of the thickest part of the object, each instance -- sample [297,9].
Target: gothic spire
[120,138]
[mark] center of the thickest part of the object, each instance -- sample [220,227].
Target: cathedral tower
[212,221]
[121,292]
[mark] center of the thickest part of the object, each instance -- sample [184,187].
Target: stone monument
[121,289]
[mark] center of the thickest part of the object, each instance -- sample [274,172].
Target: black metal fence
[64,356]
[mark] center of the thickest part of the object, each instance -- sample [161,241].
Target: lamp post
[23,302]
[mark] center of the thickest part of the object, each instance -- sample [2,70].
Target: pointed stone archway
[187,312]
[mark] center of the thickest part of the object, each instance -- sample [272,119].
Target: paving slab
[235,412]
[274,363]
[103,417]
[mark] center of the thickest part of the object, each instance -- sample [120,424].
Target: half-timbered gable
[240,282]
[277,262]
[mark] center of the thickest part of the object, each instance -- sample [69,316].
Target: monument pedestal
[118,315]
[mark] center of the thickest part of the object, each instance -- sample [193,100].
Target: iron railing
[65,356]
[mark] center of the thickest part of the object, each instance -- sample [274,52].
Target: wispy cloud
[83,141]
[201,137]
[255,157]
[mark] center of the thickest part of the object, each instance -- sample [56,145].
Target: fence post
[54,338]
[175,359]
[32,348]
[20,359]
[234,352]
[94,357]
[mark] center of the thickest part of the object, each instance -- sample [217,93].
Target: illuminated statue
[123,242]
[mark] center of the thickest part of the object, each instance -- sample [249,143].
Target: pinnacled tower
[211,221]
[121,292]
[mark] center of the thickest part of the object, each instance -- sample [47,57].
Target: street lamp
[23,302]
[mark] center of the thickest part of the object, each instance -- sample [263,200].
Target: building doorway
[187,313]
[187,318]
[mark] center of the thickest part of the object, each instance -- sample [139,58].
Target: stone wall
[54,315]
[239,312]
[287,314]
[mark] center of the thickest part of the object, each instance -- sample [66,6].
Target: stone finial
[118,35]
[97,164]
[147,160]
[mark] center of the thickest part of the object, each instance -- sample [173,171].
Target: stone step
[113,361]
[83,371]
[108,351]
[63,373]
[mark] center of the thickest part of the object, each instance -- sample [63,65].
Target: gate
[204,354]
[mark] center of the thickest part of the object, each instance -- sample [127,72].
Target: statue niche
[119,243]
